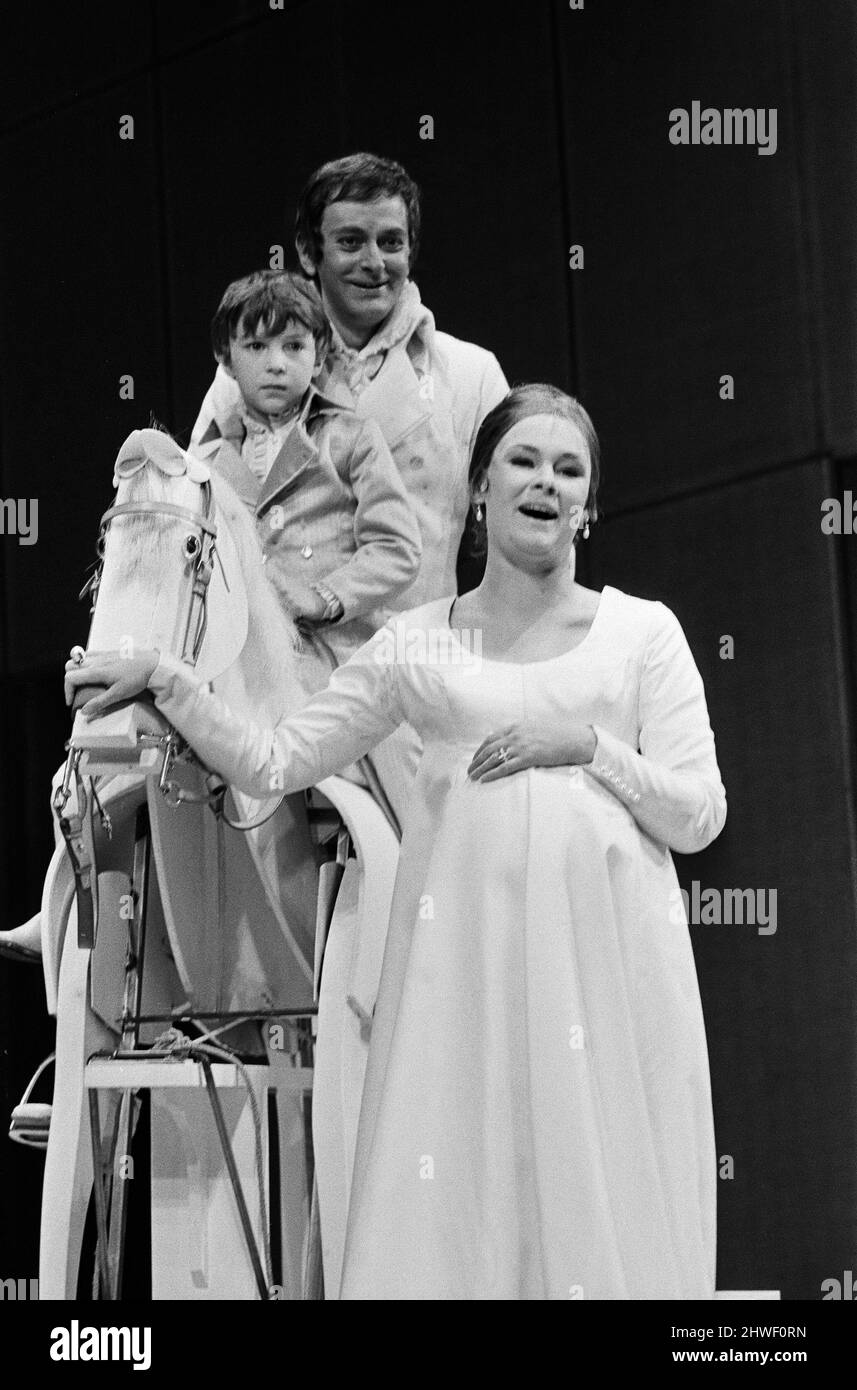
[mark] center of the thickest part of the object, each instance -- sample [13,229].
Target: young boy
[339,534]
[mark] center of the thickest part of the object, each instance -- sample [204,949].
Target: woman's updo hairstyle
[532,398]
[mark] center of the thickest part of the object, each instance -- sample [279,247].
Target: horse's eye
[191,547]
[99,545]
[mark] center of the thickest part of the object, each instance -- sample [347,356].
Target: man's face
[272,370]
[364,264]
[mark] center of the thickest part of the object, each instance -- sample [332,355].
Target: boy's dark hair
[361,178]
[267,302]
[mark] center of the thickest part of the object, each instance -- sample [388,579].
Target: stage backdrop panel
[749,561]
[701,261]
[194,23]
[54,54]
[33,727]
[81,289]
[493,263]
[843,487]
[825,96]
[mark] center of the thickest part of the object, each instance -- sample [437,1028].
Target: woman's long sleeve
[672,785]
[358,709]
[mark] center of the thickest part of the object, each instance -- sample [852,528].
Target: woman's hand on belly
[542,742]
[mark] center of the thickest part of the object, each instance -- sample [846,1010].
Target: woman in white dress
[536,1122]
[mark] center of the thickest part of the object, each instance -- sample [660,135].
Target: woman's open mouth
[539,511]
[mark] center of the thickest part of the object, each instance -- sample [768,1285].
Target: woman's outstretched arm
[358,709]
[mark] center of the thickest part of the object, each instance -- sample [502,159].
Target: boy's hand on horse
[301,601]
[124,677]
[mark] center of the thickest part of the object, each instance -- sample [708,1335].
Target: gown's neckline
[545,660]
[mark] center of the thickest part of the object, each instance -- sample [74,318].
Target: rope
[243,825]
[179,1045]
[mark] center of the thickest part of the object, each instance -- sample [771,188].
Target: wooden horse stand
[173,928]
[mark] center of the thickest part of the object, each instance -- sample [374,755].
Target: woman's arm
[358,709]
[672,786]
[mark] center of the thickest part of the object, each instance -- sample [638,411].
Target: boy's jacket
[332,509]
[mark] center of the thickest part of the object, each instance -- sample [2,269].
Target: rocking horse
[220,954]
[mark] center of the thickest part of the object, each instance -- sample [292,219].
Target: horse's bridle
[200,549]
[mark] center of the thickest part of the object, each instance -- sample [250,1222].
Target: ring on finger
[502,755]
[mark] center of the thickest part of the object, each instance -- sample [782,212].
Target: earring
[479,511]
[586,530]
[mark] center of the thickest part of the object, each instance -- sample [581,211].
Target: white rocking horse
[178,917]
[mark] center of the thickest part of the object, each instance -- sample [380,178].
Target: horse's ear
[155,447]
[163,451]
[197,471]
[131,457]
[149,446]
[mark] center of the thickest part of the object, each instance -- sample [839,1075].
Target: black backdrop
[550,128]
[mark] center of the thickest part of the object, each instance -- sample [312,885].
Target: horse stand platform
[172,928]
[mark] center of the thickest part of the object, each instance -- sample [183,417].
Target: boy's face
[272,370]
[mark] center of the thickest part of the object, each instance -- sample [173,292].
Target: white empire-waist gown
[536,1122]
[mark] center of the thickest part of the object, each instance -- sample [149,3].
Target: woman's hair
[267,302]
[359,178]
[533,398]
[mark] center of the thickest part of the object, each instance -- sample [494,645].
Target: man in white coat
[357,234]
